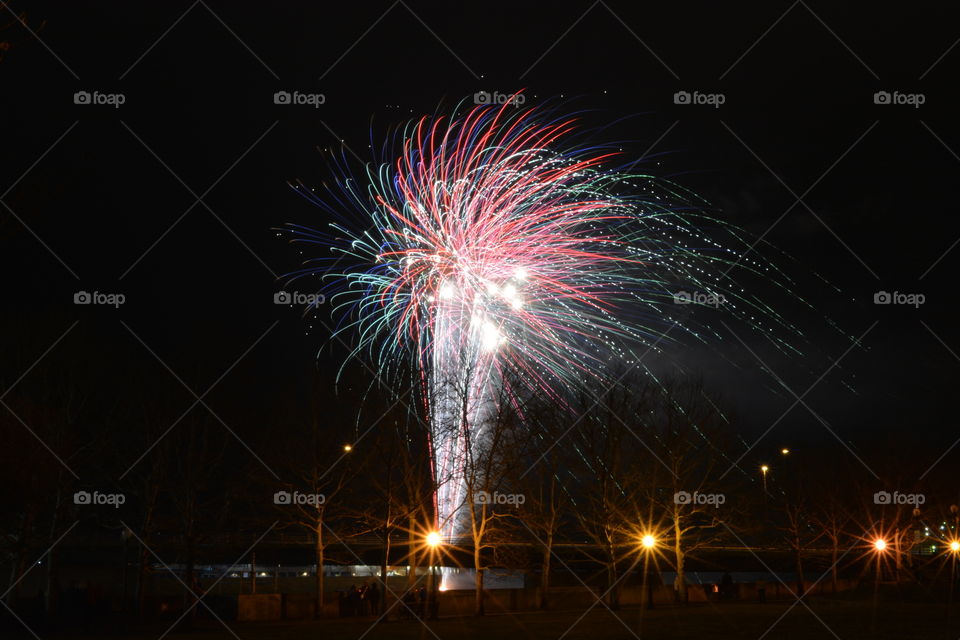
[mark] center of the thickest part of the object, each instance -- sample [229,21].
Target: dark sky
[105,198]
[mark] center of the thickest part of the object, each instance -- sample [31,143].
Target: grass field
[825,619]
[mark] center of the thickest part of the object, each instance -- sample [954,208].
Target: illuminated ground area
[830,619]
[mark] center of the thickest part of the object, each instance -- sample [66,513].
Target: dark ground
[824,619]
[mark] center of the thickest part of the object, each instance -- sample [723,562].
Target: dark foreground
[824,619]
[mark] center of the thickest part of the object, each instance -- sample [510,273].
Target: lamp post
[954,552]
[879,548]
[763,472]
[647,543]
[433,541]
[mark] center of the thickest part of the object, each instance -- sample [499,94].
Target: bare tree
[538,479]
[607,444]
[202,491]
[394,471]
[688,448]
[50,428]
[799,533]
[316,451]
[490,445]
[834,519]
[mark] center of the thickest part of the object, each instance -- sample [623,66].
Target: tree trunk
[53,559]
[680,587]
[479,608]
[143,567]
[19,565]
[478,521]
[17,569]
[318,553]
[834,571]
[613,590]
[52,596]
[381,604]
[799,564]
[143,563]
[897,556]
[412,554]
[191,580]
[545,576]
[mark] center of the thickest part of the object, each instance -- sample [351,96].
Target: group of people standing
[362,601]
[365,601]
[415,603]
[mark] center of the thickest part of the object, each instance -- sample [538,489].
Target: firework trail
[490,246]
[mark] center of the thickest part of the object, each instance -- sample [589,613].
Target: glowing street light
[954,547]
[347,448]
[648,542]
[784,451]
[763,471]
[880,551]
[433,541]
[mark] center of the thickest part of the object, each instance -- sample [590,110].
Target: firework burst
[491,246]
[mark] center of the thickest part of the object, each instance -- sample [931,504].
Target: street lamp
[879,548]
[347,448]
[784,451]
[954,552]
[433,541]
[648,542]
[763,471]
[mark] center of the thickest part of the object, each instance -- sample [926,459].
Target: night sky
[172,199]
